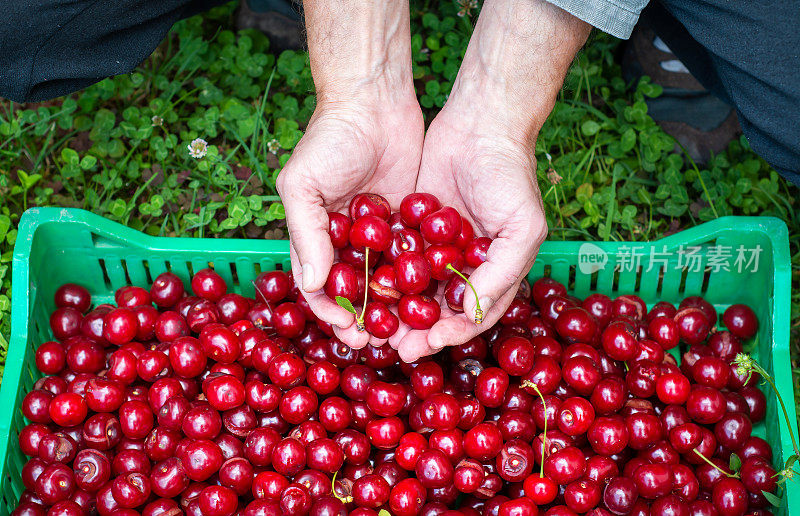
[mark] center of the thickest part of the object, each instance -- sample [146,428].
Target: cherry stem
[768,378]
[732,475]
[528,383]
[360,319]
[478,311]
[347,499]
[746,364]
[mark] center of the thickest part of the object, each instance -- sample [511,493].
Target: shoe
[700,122]
[278,21]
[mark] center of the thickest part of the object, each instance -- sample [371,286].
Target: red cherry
[440,256]
[475,251]
[379,321]
[442,226]
[741,321]
[272,286]
[339,230]
[412,273]
[342,281]
[209,285]
[364,204]
[74,296]
[404,240]
[419,312]
[370,231]
[416,206]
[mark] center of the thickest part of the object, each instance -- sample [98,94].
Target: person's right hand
[365,135]
[352,146]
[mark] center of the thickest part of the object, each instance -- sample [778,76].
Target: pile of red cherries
[215,404]
[410,252]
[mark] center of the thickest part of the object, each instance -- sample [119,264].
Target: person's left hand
[488,175]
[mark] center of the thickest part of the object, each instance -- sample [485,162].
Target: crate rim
[30,221]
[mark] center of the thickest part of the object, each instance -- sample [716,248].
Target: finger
[376,342]
[351,336]
[508,260]
[458,329]
[402,331]
[307,222]
[414,346]
[322,306]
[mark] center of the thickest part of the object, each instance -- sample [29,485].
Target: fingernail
[486,304]
[308,276]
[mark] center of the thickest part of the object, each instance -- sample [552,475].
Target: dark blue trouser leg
[748,54]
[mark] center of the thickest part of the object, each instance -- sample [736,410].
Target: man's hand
[365,135]
[479,153]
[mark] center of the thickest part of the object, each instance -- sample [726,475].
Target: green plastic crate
[55,246]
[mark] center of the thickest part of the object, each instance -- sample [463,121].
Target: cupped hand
[349,147]
[487,171]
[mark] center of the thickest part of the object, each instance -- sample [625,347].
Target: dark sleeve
[49,48]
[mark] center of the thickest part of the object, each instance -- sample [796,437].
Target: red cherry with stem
[565,465]
[289,320]
[540,489]
[442,226]
[379,321]
[358,258]
[440,256]
[272,286]
[370,232]
[454,293]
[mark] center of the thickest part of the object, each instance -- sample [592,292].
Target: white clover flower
[466,6]
[273,146]
[157,121]
[198,148]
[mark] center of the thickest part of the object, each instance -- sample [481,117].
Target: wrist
[515,64]
[360,51]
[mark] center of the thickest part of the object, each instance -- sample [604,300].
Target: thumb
[508,260]
[307,222]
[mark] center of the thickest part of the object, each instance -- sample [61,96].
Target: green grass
[119,148]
